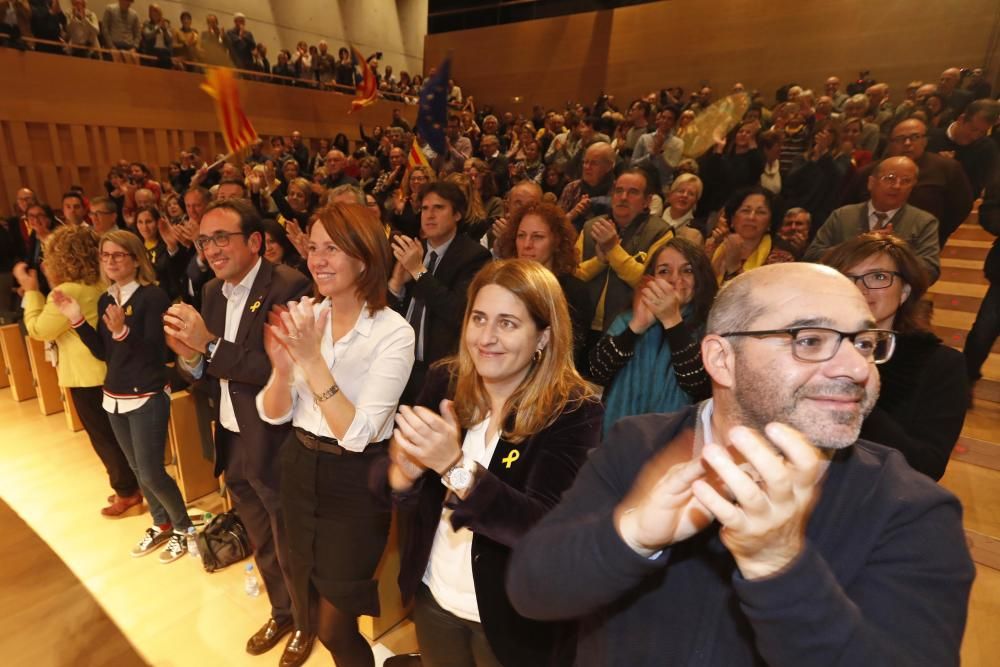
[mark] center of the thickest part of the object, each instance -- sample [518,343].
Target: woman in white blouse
[498,433]
[339,367]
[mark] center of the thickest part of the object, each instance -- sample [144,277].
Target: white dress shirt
[449,569]
[370,364]
[236,299]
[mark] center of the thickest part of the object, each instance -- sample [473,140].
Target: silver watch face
[459,478]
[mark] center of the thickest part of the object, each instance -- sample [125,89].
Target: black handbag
[224,541]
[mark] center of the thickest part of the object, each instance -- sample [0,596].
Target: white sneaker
[176,547]
[151,540]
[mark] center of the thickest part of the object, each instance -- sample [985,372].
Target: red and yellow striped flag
[368,88]
[236,128]
[417,156]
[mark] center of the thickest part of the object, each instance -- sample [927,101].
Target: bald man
[886,212]
[755,527]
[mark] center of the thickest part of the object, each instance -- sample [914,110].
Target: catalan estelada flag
[236,128]
[417,157]
[368,87]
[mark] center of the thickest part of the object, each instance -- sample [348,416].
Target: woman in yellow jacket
[71,262]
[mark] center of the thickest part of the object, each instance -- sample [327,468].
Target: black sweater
[884,577]
[137,363]
[921,406]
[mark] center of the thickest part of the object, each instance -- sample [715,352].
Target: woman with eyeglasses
[497,435]
[71,262]
[924,396]
[743,240]
[129,338]
[650,358]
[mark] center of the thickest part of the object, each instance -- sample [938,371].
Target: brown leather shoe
[268,636]
[121,507]
[297,650]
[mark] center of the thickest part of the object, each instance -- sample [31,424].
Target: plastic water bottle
[192,543]
[250,584]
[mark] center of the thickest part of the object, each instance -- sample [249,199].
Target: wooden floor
[177,615]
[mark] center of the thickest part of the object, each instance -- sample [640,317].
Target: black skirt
[336,529]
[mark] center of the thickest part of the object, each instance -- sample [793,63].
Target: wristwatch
[460,477]
[419,274]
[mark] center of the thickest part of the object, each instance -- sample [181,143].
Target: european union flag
[432,117]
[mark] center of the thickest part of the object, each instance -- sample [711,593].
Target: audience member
[121,27]
[404,216]
[965,140]
[614,251]
[682,198]
[728,167]
[590,196]
[924,392]
[662,148]
[429,280]
[986,328]
[129,337]
[83,31]
[746,241]
[72,265]
[885,212]
[225,344]
[168,259]
[740,561]
[157,38]
[650,360]
[240,42]
[338,368]
[493,440]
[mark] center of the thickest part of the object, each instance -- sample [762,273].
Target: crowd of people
[622,415]
[117,32]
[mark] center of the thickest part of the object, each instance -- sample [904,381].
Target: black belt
[318,443]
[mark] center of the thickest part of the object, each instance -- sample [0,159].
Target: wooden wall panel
[90,114]
[634,50]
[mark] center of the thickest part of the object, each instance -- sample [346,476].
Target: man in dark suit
[886,212]
[942,188]
[497,161]
[967,140]
[225,345]
[429,282]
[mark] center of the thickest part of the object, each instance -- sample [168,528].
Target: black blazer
[170,269]
[505,504]
[444,295]
[244,362]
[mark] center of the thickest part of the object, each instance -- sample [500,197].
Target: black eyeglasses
[816,344]
[875,279]
[220,239]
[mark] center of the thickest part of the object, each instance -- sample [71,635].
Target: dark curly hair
[565,255]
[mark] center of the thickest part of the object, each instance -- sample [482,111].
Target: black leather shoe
[297,650]
[268,636]
[404,660]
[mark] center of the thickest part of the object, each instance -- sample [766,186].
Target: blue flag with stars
[432,116]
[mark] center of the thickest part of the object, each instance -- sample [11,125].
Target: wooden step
[976,253]
[959,289]
[967,304]
[963,275]
[956,337]
[969,232]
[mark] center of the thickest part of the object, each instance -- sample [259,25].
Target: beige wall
[90,114]
[762,43]
[395,27]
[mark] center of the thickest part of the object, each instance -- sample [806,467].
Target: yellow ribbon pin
[510,458]
[255,306]
[128,310]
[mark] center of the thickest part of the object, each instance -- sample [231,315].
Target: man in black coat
[429,282]
[225,345]
[986,329]
[966,140]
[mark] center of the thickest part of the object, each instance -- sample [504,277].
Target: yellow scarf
[757,258]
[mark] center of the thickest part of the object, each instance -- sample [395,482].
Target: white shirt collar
[441,249]
[229,290]
[121,295]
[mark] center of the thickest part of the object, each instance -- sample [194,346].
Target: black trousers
[445,639]
[88,402]
[256,499]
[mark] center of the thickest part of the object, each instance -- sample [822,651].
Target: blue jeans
[142,435]
[983,333]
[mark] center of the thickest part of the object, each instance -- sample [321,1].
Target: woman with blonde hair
[72,266]
[498,433]
[339,367]
[476,224]
[129,337]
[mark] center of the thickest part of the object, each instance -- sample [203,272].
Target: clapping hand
[429,439]
[282,363]
[114,319]
[409,253]
[301,331]
[763,524]
[26,278]
[67,305]
[297,237]
[662,300]
[605,234]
